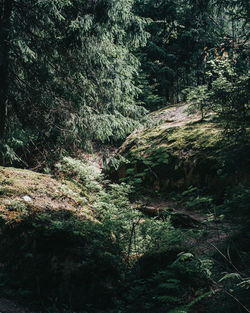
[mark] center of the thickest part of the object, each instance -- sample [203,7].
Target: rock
[176,154]
[180,220]
[27,199]
[149,210]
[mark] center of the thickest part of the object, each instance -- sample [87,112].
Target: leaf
[230,276]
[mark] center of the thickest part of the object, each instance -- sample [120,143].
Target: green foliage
[230,97]
[120,255]
[71,72]
[199,98]
[173,57]
[237,204]
[131,230]
[227,96]
[113,162]
[163,280]
[59,256]
[18,206]
[75,73]
[196,198]
[84,173]
[140,168]
[17,140]
[183,33]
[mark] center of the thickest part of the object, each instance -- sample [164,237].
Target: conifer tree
[5,13]
[69,70]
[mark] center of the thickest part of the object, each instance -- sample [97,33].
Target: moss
[195,137]
[5,191]
[175,155]
[42,191]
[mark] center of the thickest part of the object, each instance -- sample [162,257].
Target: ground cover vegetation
[162,224]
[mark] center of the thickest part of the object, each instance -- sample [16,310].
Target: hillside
[180,150]
[169,219]
[23,192]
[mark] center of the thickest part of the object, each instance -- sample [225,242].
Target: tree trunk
[5,14]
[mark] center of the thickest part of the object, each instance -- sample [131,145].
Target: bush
[57,255]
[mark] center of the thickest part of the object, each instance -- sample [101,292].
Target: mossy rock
[175,155]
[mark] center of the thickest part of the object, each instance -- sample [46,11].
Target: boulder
[174,154]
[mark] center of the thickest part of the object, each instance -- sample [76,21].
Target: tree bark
[5,14]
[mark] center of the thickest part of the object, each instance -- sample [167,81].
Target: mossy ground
[180,151]
[195,136]
[23,192]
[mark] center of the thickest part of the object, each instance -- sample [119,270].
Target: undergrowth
[120,260]
[58,257]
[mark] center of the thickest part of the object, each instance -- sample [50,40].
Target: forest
[124,156]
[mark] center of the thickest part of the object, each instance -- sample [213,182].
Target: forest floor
[215,230]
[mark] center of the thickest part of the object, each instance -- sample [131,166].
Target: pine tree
[5,13]
[69,70]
